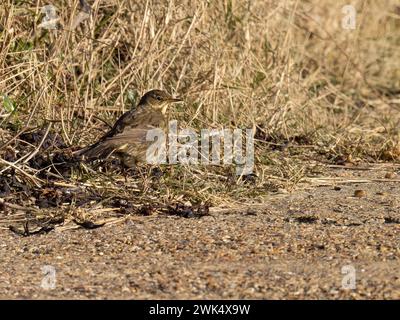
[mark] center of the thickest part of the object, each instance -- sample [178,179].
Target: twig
[40,144]
[34,179]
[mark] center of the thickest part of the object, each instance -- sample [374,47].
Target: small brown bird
[127,139]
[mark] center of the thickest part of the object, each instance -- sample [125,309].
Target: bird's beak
[174,100]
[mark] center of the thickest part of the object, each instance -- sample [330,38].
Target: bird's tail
[93,152]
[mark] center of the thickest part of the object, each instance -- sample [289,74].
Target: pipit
[127,139]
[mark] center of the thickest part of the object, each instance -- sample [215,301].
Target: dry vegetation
[315,93]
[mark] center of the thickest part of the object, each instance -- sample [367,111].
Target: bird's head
[158,100]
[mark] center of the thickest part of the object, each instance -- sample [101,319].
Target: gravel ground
[294,247]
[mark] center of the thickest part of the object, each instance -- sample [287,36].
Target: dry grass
[314,92]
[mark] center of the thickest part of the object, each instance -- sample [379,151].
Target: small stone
[359,193]
[390,175]
[34,250]
[250,212]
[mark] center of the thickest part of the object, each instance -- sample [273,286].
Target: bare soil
[293,247]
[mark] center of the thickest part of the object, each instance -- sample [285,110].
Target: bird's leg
[128,165]
[125,174]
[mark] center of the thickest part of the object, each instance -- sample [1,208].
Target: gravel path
[295,247]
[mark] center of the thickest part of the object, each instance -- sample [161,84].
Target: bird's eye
[158,98]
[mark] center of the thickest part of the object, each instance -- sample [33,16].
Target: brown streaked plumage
[127,139]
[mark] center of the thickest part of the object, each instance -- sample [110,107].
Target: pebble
[359,193]
[390,175]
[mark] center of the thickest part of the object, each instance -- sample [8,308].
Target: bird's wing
[132,141]
[130,135]
[126,119]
